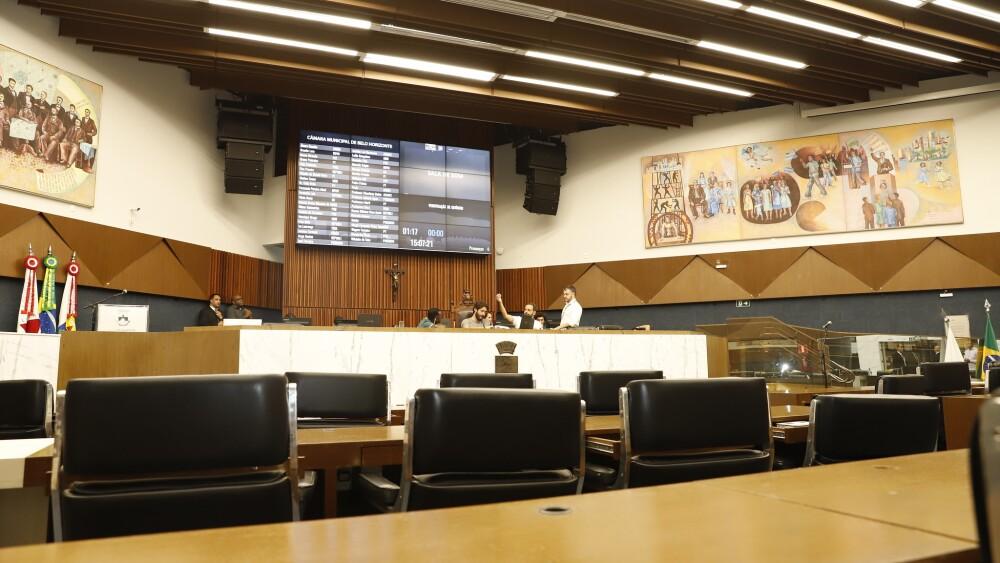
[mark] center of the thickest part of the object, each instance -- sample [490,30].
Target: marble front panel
[416,359]
[29,356]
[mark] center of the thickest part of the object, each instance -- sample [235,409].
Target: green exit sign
[742,304]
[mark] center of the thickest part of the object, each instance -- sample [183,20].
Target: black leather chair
[992,380]
[476,446]
[142,455]
[330,400]
[984,461]
[488,380]
[901,385]
[600,389]
[946,378]
[852,427]
[726,419]
[25,409]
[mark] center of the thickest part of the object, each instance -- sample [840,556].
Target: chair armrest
[378,490]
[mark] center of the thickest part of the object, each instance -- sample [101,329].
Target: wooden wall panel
[524,285]
[322,283]
[921,264]
[114,258]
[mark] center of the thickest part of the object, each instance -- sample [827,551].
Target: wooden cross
[395,274]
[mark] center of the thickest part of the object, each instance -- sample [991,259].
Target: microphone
[828,323]
[124,291]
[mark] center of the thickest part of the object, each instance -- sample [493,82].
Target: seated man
[479,318]
[526,321]
[432,320]
[237,310]
[211,315]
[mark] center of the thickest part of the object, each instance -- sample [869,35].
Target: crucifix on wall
[395,274]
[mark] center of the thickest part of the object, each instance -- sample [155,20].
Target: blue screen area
[384,193]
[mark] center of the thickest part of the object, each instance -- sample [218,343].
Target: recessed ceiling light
[910,3]
[428,66]
[969,9]
[699,84]
[292,13]
[281,41]
[560,85]
[804,22]
[752,54]
[585,63]
[911,49]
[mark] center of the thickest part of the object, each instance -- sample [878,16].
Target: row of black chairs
[937,379]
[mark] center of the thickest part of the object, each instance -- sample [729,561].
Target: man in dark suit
[27,96]
[211,314]
[10,97]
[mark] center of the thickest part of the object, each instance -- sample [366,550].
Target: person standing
[812,167]
[729,193]
[479,317]
[211,315]
[897,204]
[237,310]
[525,321]
[869,212]
[572,310]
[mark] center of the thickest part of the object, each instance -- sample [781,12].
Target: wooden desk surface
[686,522]
[928,492]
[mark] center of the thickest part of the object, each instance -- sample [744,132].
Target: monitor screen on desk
[386,193]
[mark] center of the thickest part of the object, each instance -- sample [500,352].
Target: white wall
[600,208]
[158,153]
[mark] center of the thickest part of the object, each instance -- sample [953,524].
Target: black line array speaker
[246,132]
[543,161]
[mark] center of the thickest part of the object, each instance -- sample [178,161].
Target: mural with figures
[886,178]
[49,122]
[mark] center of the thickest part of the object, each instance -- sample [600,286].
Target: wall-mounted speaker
[541,198]
[245,131]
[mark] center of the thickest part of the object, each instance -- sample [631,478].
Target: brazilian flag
[990,357]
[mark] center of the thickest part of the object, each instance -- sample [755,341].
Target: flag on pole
[27,314]
[990,355]
[47,303]
[952,351]
[67,311]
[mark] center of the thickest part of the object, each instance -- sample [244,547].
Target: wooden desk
[700,521]
[960,414]
[927,492]
[802,394]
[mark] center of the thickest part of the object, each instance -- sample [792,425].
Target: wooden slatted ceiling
[841,70]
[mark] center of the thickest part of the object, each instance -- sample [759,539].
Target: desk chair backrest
[946,378]
[688,429]
[901,385]
[488,380]
[992,380]
[852,427]
[600,389]
[142,455]
[984,459]
[341,399]
[474,446]
[25,409]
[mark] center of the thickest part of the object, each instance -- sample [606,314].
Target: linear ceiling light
[281,41]
[441,37]
[427,66]
[513,8]
[752,54]
[969,9]
[560,85]
[910,3]
[795,20]
[725,3]
[699,84]
[585,63]
[292,13]
[911,49]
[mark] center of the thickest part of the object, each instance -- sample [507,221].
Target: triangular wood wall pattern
[113,258]
[917,264]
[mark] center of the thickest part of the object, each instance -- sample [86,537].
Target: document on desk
[12,454]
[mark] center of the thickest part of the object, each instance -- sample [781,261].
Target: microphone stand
[823,352]
[93,320]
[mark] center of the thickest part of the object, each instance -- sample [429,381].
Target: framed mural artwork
[886,178]
[49,123]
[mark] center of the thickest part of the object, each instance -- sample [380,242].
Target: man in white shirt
[572,311]
[520,321]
